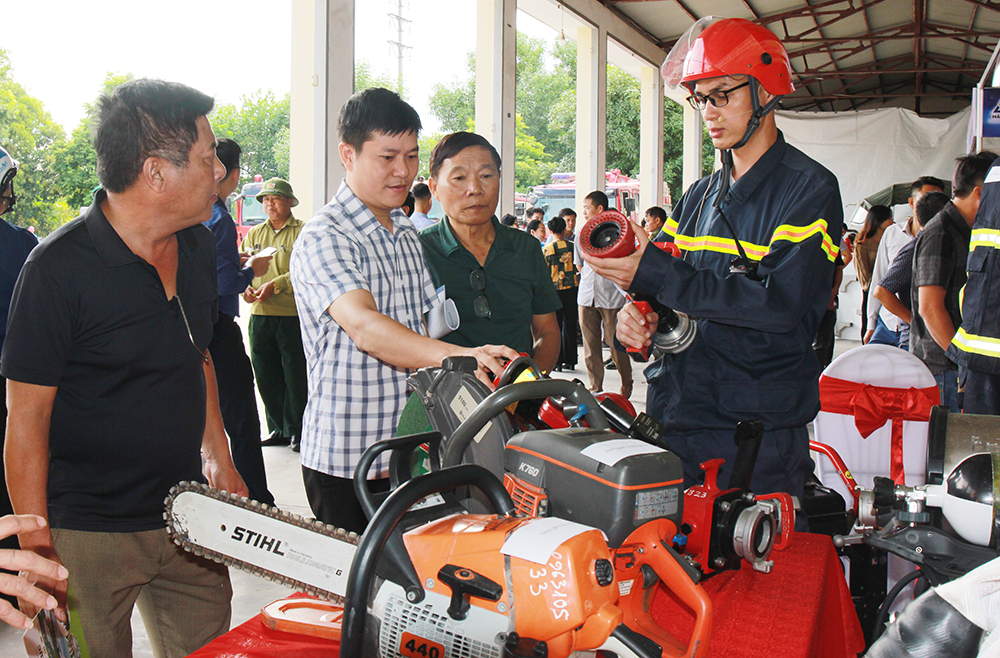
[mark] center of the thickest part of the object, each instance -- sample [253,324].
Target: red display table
[802,609]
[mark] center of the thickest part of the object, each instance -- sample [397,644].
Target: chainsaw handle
[649,544]
[502,398]
[516,367]
[387,517]
[631,644]
[403,447]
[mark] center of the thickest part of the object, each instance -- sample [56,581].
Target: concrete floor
[285,483]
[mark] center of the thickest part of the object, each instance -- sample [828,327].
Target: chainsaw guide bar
[285,548]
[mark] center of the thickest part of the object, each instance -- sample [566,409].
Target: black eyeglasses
[718,98]
[481,305]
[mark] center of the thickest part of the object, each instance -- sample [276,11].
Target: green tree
[76,164]
[75,161]
[283,149]
[454,104]
[538,87]
[259,124]
[427,142]
[623,121]
[546,109]
[533,165]
[624,95]
[365,77]
[29,133]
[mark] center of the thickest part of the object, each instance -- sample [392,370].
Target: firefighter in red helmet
[759,240]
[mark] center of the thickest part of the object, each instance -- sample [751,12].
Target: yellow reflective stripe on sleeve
[985,237]
[791,233]
[721,245]
[973,344]
[724,245]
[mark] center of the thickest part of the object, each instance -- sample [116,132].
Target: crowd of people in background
[912,276]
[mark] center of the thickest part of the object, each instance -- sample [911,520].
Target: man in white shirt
[599,301]
[883,326]
[362,288]
[421,206]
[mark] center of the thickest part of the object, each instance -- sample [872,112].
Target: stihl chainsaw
[463,585]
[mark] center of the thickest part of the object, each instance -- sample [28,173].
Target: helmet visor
[6,178]
[687,55]
[8,169]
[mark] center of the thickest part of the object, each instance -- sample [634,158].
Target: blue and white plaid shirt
[354,399]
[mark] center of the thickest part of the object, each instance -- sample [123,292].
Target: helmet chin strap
[742,263]
[759,112]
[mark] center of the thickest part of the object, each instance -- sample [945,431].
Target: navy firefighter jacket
[976,345]
[752,357]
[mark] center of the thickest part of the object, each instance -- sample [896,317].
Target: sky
[60,50]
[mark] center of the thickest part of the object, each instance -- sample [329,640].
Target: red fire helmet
[716,47]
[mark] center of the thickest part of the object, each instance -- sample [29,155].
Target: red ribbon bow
[873,406]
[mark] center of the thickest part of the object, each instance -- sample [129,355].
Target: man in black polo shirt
[110,386]
[939,273]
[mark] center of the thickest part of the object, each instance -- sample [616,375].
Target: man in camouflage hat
[275,342]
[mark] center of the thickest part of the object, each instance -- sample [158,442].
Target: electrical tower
[399,48]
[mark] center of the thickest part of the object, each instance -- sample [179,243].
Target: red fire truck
[622,191]
[247,211]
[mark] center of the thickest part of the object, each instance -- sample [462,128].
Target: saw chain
[225,517]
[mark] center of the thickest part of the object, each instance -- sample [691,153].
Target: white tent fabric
[871,150]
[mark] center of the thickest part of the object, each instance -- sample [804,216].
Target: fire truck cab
[622,191]
[247,211]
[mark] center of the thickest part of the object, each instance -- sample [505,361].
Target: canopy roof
[924,55]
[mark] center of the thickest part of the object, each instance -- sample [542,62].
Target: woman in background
[566,278]
[865,247]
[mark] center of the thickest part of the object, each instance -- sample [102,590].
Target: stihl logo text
[257,540]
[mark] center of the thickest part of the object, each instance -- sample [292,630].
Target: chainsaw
[466,586]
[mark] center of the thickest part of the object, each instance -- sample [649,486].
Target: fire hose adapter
[609,235]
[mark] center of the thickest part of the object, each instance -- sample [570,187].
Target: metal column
[591,110]
[496,61]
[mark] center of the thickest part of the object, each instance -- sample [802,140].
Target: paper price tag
[612,452]
[538,540]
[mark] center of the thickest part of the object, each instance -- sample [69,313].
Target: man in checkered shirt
[362,289]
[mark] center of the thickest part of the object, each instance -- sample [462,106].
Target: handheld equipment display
[609,235]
